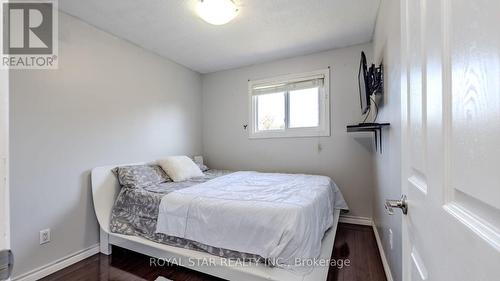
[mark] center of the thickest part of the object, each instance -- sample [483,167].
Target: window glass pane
[304,108]
[271,112]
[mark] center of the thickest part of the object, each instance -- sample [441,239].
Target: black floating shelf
[375,128]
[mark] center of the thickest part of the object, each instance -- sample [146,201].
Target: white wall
[387,42]
[109,102]
[342,157]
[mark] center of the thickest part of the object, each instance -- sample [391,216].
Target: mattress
[135,212]
[280,217]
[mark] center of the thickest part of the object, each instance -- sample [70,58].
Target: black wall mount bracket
[375,128]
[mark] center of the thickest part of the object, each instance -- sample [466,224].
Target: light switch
[198,159]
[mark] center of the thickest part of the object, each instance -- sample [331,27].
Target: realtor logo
[29,35]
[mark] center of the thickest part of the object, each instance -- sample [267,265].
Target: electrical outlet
[391,238]
[44,236]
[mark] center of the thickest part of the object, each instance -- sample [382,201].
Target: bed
[105,190]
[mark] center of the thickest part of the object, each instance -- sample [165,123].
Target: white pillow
[180,168]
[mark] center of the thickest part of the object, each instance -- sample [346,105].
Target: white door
[451,139]
[5,258]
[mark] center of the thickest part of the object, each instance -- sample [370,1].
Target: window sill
[289,134]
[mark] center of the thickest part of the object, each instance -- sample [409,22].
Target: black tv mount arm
[376,74]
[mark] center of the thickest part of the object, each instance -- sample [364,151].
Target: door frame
[4,162]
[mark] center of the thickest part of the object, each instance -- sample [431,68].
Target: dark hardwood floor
[357,244]
[353,243]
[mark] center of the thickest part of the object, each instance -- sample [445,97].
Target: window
[290,106]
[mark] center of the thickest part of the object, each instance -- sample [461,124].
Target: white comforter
[282,217]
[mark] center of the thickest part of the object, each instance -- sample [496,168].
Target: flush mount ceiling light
[217,12]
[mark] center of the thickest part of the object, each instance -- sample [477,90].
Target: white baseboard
[385,263]
[356,220]
[57,265]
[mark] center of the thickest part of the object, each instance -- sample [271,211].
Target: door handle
[400,204]
[6,264]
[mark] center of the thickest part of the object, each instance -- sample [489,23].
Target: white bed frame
[105,188]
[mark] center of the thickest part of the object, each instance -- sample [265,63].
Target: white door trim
[4,161]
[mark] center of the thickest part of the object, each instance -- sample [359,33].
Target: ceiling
[264,30]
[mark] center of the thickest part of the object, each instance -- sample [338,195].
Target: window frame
[322,130]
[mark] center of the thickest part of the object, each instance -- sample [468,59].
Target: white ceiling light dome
[217,12]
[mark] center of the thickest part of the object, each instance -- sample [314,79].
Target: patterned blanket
[135,212]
